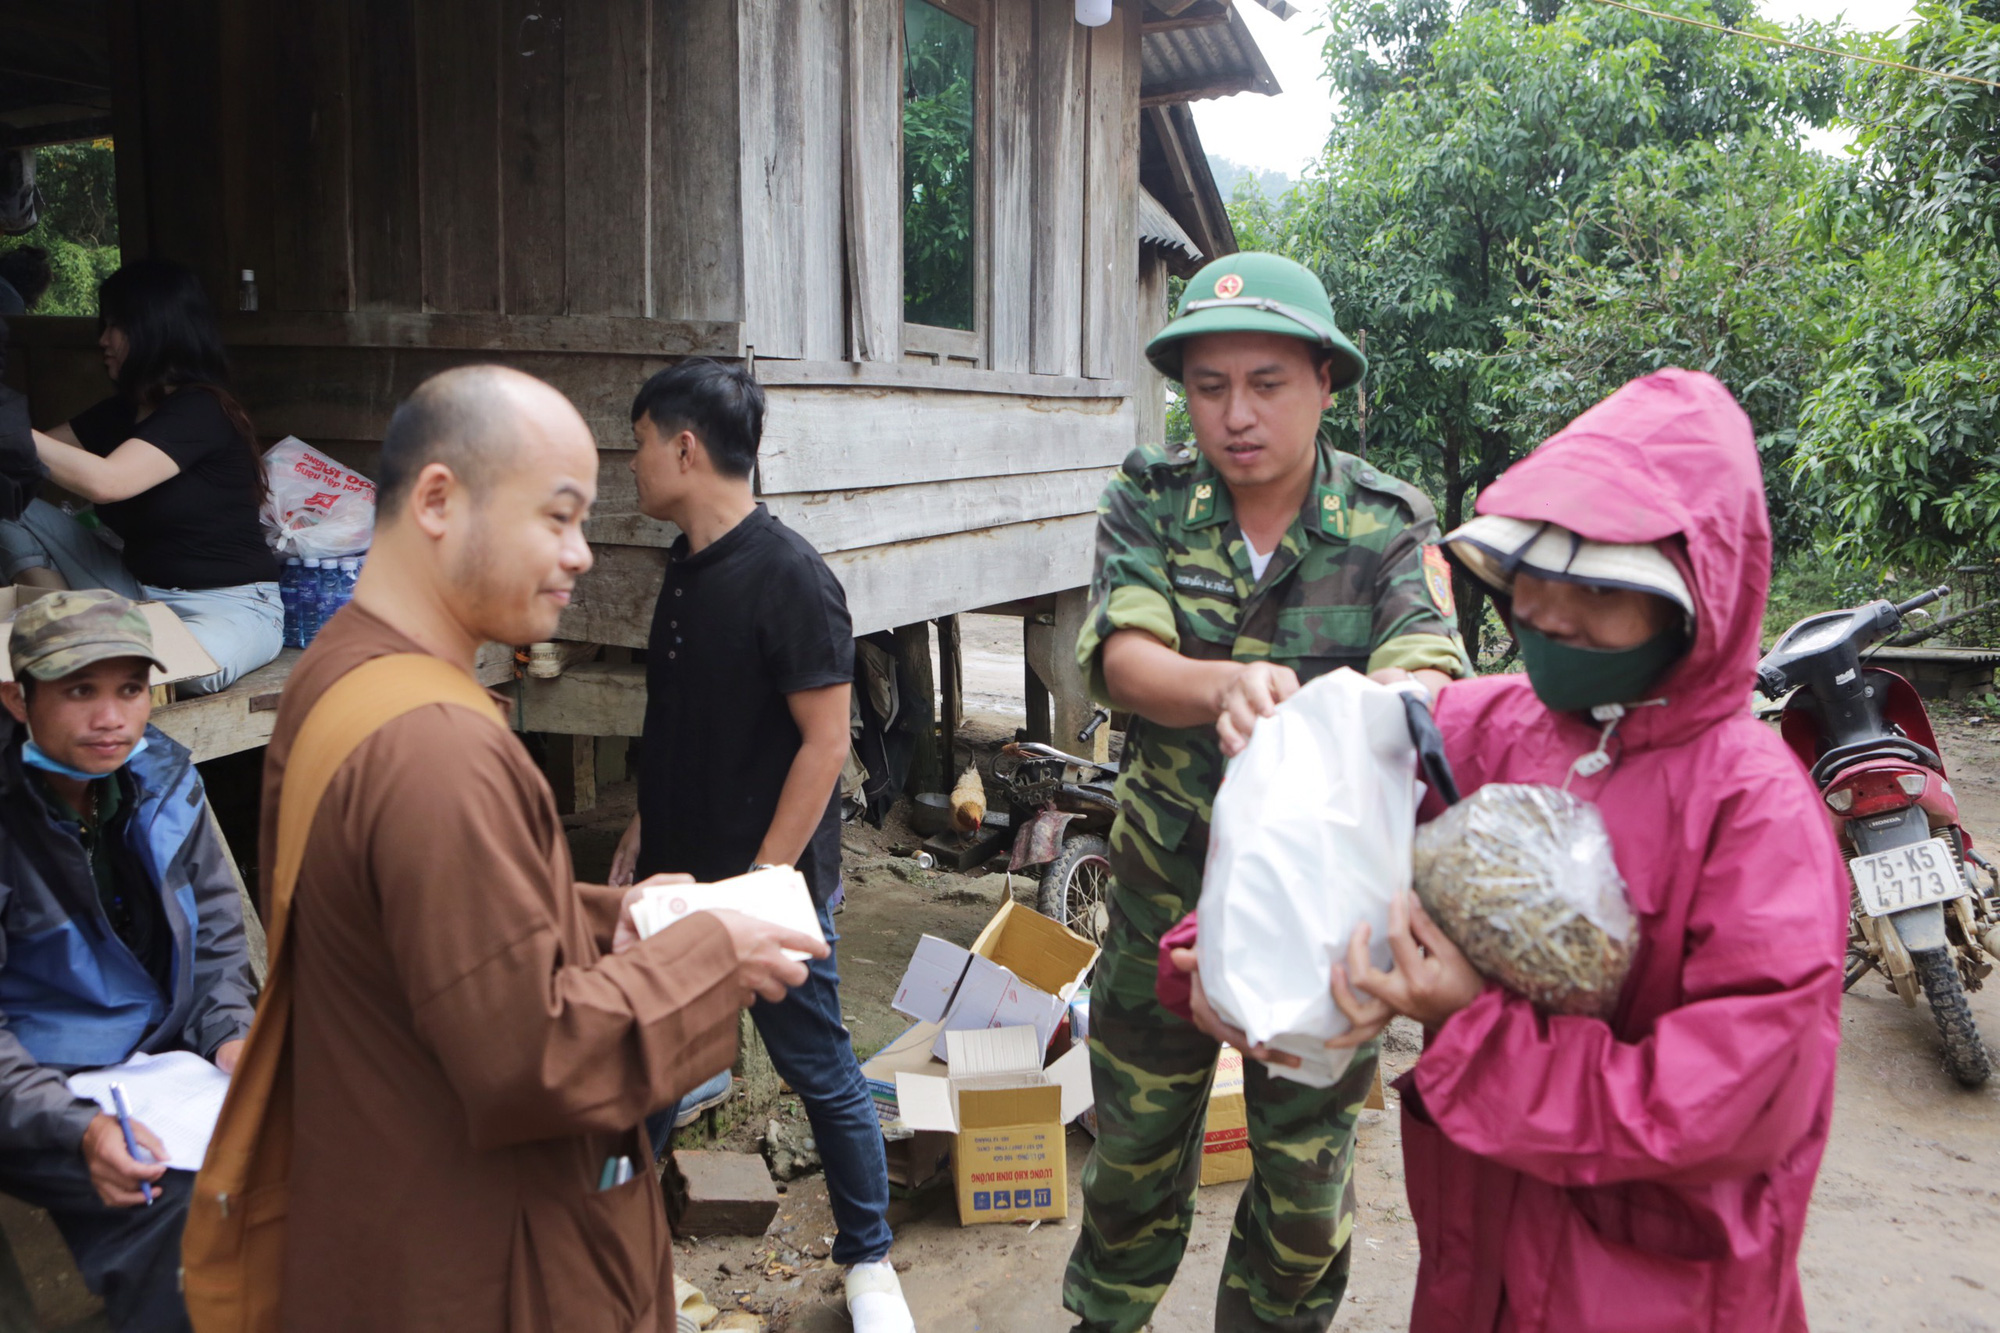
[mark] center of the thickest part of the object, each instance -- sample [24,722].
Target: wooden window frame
[930,342]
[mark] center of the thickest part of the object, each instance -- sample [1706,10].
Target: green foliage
[79,226]
[1806,583]
[938,70]
[1467,133]
[1901,433]
[1689,256]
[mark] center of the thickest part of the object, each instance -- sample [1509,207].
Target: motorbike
[1919,914]
[1062,807]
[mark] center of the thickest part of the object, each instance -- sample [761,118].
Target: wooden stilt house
[938,230]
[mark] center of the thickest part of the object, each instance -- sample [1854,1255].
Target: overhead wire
[1801,46]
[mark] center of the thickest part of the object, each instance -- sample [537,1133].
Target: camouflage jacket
[1355,583]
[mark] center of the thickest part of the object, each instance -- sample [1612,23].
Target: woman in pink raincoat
[1652,1172]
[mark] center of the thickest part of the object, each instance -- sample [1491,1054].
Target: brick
[719,1194]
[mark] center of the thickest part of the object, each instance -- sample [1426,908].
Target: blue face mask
[35,756]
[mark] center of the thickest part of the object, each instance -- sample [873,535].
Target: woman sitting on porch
[171,464]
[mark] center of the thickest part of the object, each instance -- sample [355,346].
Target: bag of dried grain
[1522,878]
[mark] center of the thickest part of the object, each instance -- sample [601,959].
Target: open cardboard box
[915,1159]
[1020,972]
[173,643]
[1006,1115]
[1225,1134]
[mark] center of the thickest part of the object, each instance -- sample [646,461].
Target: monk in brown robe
[468,1052]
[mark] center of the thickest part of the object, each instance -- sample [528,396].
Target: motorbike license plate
[1905,877]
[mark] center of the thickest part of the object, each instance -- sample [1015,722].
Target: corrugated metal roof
[1158,228]
[1181,64]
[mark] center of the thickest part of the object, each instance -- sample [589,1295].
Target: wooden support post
[573,772]
[913,656]
[951,685]
[614,763]
[1055,682]
[253,924]
[17,1303]
[1034,640]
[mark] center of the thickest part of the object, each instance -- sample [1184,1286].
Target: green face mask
[1575,680]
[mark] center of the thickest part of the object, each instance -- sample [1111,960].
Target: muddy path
[1904,1232]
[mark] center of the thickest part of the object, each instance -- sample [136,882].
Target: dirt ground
[1904,1232]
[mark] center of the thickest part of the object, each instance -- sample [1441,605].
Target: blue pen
[131,1144]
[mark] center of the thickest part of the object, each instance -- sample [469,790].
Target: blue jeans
[129,1256]
[242,627]
[811,1049]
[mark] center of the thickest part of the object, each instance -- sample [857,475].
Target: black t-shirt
[20,471]
[199,528]
[754,617]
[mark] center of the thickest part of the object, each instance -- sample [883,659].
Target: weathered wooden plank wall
[533,157]
[873,193]
[584,191]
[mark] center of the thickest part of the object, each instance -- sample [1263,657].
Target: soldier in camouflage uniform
[1187,630]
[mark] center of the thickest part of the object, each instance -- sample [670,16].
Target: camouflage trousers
[1287,1262]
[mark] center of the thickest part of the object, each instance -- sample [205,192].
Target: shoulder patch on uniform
[1437,578]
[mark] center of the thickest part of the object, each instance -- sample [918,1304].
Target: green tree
[78,226]
[1901,432]
[1696,256]
[938,68]
[1463,134]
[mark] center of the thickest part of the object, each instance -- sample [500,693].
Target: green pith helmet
[1253,292]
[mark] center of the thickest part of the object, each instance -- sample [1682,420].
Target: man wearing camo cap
[1227,575]
[123,934]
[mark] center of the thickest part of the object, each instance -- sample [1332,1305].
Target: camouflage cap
[63,632]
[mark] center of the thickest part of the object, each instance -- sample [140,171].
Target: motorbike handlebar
[1922,599]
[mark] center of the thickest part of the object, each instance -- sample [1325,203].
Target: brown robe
[466,1054]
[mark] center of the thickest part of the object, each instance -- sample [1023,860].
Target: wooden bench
[241,717]
[1939,673]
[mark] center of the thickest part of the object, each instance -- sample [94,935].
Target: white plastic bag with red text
[1310,838]
[317,508]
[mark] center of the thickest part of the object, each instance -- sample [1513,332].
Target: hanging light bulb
[1093,13]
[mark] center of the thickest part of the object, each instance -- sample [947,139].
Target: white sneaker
[875,1299]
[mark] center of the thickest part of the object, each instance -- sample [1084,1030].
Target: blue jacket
[72,995]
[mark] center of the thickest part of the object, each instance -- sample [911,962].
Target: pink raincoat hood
[1670,459]
[1650,1173]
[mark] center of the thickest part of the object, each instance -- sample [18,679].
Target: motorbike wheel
[1971,1063]
[1076,887]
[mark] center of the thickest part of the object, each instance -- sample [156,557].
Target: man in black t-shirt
[748,673]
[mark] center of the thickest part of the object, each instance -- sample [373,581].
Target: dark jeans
[129,1256]
[811,1050]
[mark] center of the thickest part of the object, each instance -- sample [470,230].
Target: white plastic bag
[1310,838]
[316,507]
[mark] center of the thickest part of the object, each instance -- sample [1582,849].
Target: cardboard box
[1225,1135]
[173,642]
[1006,1115]
[915,1159]
[1020,972]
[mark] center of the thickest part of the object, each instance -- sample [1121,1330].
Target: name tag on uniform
[1213,584]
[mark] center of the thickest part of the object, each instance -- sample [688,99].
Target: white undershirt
[1259,560]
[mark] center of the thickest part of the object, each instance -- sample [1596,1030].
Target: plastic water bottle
[329,589]
[311,609]
[350,574]
[288,593]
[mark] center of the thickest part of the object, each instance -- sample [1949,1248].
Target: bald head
[478,421]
